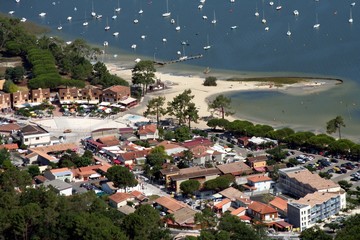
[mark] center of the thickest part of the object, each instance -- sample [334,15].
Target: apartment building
[68,95]
[19,98]
[299,181]
[116,94]
[40,95]
[306,211]
[5,101]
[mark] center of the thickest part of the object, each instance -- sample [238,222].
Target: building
[5,101]
[115,94]
[200,174]
[90,94]
[172,148]
[8,129]
[299,181]
[105,132]
[109,141]
[40,95]
[34,135]
[306,211]
[258,184]
[262,212]
[201,155]
[41,155]
[257,163]
[68,95]
[90,172]
[147,132]
[167,171]
[19,98]
[135,157]
[63,174]
[280,205]
[222,206]
[61,187]
[235,169]
[120,199]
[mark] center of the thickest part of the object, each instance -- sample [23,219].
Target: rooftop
[9,127]
[279,203]
[219,205]
[199,173]
[58,184]
[235,168]
[120,197]
[316,198]
[56,148]
[261,208]
[184,215]
[117,88]
[169,203]
[109,140]
[32,129]
[259,178]
[238,211]
[304,176]
[232,193]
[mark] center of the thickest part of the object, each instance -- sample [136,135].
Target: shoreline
[177,83]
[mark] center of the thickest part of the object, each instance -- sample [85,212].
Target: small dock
[181,59]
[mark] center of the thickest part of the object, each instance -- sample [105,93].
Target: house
[34,135]
[109,141]
[63,174]
[20,98]
[126,210]
[314,207]
[115,94]
[9,146]
[120,199]
[184,218]
[236,168]
[8,129]
[258,184]
[222,206]
[196,142]
[168,204]
[134,157]
[200,174]
[258,163]
[61,187]
[299,181]
[5,102]
[201,155]
[90,172]
[172,148]
[68,95]
[167,171]
[149,131]
[238,199]
[262,212]
[280,205]
[40,95]
[238,212]
[41,155]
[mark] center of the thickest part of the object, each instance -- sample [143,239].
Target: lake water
[332,50]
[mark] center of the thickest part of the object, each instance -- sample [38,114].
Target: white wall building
[61,187]
[34,136]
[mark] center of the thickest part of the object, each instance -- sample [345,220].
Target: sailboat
[59,27]
[85,23]
[263,19]
[279,7]
[351,20]
[167,13]
[317,24]
[118,7]
[183,57]
[288,32]
[107,27]
[207,47]
[178,25]
[214,20]
[114,16]
[93,13]
[256,11]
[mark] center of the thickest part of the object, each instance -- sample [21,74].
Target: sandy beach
[178,83]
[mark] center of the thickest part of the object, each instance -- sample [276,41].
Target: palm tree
[335,125]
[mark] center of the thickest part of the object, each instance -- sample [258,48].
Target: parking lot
[332,163]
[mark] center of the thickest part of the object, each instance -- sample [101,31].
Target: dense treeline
[27,213]
[51,61]
[307,141]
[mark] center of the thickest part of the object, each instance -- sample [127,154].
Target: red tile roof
[9,146]
[117,88]
[279,203]
[169,203]
[259,178]
[197,142]
[109,141]
[222,203]
[151,128]
[133,155]
[238,211]
[261,208]
[120,197]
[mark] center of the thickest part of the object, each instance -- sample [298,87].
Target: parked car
[333,160]
[67,131]
[343,170]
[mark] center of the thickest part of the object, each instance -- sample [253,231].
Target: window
[37,138]
[26,139]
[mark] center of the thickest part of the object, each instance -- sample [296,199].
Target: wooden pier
[181,59]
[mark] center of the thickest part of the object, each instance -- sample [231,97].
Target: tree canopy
[335,125]
[121,176]
[221,104]
[143,74]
